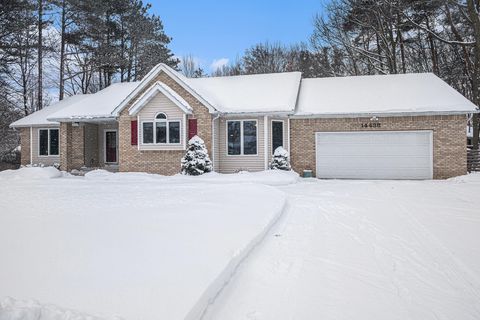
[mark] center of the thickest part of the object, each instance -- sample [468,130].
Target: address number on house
[371,125]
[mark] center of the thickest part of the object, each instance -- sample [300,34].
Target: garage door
[374,155]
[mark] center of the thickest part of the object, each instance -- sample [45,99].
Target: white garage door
[375,155]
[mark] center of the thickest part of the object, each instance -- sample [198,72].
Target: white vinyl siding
[234,163]
[375,155]
[160,103]
[35,152]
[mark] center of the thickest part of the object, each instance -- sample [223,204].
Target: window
[234,141]
[147,132]
[161,131]
[174,132]
[277,135]
[242,137]
[249,137]
[48,141]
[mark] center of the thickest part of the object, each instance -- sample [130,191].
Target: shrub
[196,161]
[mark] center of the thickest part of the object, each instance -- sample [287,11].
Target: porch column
[65,143]
[72,146]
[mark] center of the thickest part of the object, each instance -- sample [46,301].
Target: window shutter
[192,128]
[134,132]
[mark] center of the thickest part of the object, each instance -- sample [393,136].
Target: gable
[166,98]
[160,104]
[174,80]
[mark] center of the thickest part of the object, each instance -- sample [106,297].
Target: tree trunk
[40,53]
[62,55]
[433,50]
[475,18]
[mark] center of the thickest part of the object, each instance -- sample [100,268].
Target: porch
[85,146]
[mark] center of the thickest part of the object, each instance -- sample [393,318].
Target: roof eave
[383,114]
[102,118]
[257,113]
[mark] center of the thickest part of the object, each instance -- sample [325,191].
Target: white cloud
[218,63]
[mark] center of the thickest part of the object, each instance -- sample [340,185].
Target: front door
[110,146]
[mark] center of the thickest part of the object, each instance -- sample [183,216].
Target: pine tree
[280,160]
[196,161]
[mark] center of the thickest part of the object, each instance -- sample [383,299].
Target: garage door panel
[374,155]
[373,161]
[366,150]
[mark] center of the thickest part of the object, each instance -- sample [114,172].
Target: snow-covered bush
[196,161]
[280,160]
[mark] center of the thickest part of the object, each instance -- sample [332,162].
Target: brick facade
[161,162]
[72,141]
[25,145]
[449,139]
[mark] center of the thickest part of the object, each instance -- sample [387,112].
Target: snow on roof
[259,93]
[39,117]
[98,105]
[380,94]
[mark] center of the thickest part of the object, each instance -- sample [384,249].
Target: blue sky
[213,31]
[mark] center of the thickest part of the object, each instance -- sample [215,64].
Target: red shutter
[134,132]
[192,128]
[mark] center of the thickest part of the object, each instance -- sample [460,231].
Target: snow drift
[137,247]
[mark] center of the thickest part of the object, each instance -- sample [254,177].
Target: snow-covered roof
[380,94]
[260,93]
[97,106]
[39,117]
[286,93]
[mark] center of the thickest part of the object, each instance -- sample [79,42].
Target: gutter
[381,114]
[84,119]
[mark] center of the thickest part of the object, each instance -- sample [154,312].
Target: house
[409,126]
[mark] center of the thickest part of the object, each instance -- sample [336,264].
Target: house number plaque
[371,125]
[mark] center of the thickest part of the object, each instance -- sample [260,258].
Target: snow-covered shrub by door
[196,161]
[280,160]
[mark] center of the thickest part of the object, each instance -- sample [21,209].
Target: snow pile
[196,161]
[140,247]
[269,177]
[473,177]
[31,173]
[12,309]
[280,160]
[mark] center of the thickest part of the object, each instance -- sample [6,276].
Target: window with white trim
[48,141]
[161,130]
[277,134]
[242,137]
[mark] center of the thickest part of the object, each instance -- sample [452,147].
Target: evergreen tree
[280,160]
[196,161]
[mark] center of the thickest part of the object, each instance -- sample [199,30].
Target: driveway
[365,250]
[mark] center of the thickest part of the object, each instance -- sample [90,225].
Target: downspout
[213,139]
[265,140]
[288,136]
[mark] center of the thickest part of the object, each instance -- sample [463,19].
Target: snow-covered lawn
[135,246]
[365,250]
[144,246]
